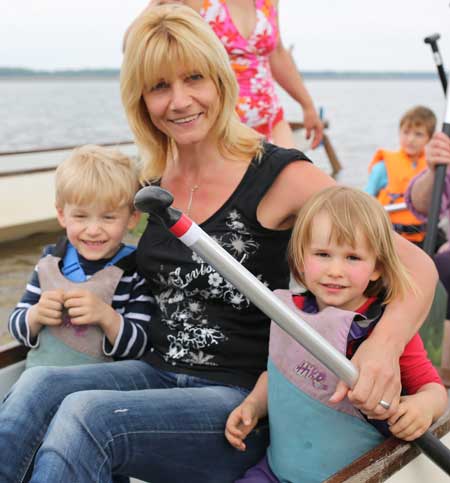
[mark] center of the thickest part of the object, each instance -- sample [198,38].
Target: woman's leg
[31,404]
[161,435]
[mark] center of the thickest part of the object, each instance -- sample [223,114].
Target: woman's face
[185,107]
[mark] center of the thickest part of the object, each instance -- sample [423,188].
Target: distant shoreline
[12,73]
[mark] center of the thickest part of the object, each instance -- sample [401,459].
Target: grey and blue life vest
[311,439]
[68,344]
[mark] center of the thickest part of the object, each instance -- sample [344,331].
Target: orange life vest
[400,170]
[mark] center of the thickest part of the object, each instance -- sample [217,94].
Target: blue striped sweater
[132,301]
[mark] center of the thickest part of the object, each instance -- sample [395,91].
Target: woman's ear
[135,216]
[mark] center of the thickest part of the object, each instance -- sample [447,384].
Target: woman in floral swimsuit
[249,32]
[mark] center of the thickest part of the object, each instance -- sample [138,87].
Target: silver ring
[384,404]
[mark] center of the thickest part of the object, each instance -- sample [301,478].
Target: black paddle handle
[429,243]
[432,41]
[431,446]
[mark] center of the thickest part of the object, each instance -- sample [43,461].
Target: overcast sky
[327,34]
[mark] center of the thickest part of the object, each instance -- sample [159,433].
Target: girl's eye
[354,257]
[109,217]
[321,254]
[79,216]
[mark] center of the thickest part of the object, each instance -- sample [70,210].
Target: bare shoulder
[296,183]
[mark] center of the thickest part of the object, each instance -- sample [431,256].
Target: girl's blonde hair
[160,41]
[95,174]
[351,212]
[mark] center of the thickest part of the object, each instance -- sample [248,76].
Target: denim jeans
[89,422]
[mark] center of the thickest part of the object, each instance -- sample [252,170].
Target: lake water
[363,116]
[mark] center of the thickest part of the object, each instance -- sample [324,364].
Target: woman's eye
[195,77]
[160,85]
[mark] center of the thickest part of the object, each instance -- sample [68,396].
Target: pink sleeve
[415,367]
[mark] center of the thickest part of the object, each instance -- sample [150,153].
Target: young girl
[341,250]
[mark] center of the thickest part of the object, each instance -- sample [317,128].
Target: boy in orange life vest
[391,171]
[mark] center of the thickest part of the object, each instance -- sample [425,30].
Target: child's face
[94,231]
[413,139]
[336,274]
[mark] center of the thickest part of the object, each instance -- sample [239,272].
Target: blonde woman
[162,418]
[250,33]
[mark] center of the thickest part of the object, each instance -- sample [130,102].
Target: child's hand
[85,308]
[240,423]
[437,150]
[48,311]
[413,417]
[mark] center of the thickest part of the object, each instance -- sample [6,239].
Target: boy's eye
[109,217]
[79,216]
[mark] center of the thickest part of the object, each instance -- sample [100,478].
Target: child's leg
[260,473]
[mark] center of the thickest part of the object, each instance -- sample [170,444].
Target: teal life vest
[311,439]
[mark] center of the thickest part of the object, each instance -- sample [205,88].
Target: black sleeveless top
[204,326]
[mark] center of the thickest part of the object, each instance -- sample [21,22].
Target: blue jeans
[89,422]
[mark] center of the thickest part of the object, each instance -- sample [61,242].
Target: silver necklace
[191,198]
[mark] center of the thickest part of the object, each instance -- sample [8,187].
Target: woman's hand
[379,380]
[437,151]
[313,124]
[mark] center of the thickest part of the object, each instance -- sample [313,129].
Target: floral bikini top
[258,102]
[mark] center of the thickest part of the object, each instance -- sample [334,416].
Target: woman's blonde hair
[160,41]
[96,174]
[352,212]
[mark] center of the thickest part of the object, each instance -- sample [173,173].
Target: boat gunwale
[387,458]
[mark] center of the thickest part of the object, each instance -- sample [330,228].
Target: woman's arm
[377,358]
[285,72]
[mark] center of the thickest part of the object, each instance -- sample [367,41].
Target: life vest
[311,439]
[68,344]
[400,171]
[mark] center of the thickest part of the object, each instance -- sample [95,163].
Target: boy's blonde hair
[162,40]
[95,174]
[352,211]
[419,116]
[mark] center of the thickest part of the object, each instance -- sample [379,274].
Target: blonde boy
[85,301]
[391,171]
